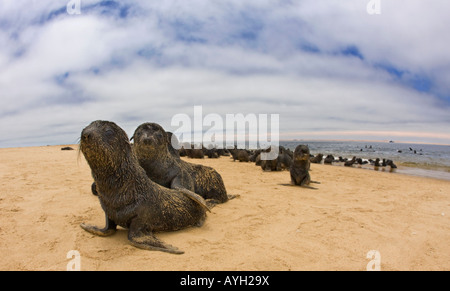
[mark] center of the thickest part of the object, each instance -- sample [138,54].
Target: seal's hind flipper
[231,196]
[151,243]
[195,197]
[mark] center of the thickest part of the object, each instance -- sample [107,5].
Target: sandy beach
[45,195]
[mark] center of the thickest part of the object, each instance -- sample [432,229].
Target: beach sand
[46,194]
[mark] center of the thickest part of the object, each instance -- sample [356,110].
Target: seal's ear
[131,138]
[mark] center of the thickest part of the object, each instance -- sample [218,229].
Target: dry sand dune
[45,195]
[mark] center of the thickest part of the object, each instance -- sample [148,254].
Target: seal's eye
[109,132]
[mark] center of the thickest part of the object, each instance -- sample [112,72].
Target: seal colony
[128,197]
[147,188]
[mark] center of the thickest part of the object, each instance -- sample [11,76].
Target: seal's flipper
[211,203]
[231,196]
[141,237]
[195,197]
[94,189]
[177,185]
[109,229]
[315,182]
[151,243]
[97,231]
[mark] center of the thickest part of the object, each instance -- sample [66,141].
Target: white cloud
[59,73]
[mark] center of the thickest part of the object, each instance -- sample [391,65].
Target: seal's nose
[86,134]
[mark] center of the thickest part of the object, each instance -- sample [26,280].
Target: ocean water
[412,159]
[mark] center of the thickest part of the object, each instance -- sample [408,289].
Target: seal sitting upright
[300,167]
[151,148]
[128,197]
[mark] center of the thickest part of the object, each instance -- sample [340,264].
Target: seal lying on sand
[317,159]
[300,167]
[282,162]
[240,154]
[329,159]
[350,163]
[151,148]
[128,197]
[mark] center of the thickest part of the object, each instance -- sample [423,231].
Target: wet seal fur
[151,148]
[128,197]
[300,167]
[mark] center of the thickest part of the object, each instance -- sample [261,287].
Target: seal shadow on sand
[304,186]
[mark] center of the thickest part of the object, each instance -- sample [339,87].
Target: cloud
[324,67]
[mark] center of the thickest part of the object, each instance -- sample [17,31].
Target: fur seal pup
[300,167]
[282,162]
[161,167]
[67,149]
[329,159]
[240,154]
[285,158]
[317,159]
[194,153]
[128,197]
[254,155]
[350,163]
[391,164]
[377,163]
[212,153]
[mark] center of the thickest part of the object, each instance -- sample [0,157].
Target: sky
[328,68]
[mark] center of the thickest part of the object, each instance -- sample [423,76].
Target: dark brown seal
[163,168]
[67,149]
[317,159]
[329,159]
[128,197]
[282,162]
[240,154]
[301,165]
[350,163]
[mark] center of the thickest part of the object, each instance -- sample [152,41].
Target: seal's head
[301,153]
[151,136]
[104,145]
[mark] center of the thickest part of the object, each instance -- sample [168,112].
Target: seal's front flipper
[94,189]
[314,182]
[109,229]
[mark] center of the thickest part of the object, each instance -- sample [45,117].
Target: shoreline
[438,172]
